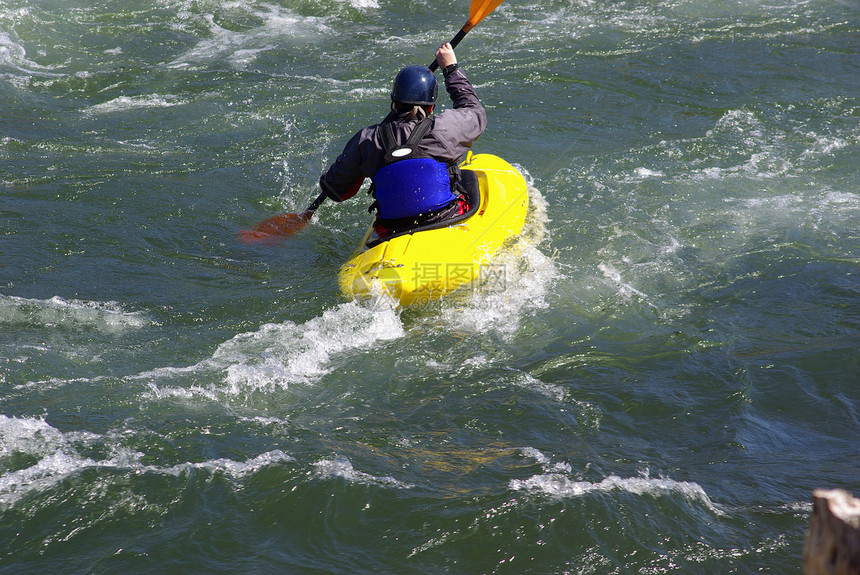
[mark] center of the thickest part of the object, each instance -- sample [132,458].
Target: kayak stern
[418,267]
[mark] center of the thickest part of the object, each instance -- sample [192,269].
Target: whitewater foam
[517,280]
[58,457]
[127,103]
[13,57]
[229,467]
[279,355]
[561,486]
[56,453]
[108,317]
[342,467]
[556,482]
[240,48]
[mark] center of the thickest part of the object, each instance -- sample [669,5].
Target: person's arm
[455,130]
[344,177]
[458,86]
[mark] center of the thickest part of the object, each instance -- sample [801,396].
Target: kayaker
[412,155]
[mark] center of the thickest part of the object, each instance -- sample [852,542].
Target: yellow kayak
[418,266]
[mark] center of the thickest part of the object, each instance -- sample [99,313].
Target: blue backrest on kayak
[412,187]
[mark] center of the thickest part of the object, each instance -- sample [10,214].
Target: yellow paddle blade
[479,10]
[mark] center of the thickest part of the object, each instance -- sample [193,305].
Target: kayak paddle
[478,10]
[283,225]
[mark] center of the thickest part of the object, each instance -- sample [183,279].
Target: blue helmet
[415,85]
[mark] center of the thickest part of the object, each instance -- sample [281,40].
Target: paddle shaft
[454,41]
[315,204]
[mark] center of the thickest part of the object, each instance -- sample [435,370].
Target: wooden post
[833,541]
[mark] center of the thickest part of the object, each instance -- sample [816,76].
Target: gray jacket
[454,131]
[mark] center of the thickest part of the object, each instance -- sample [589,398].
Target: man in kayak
[412,155]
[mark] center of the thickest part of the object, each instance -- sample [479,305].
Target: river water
[666,370]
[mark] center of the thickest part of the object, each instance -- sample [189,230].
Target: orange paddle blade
[277,227]
[479,10]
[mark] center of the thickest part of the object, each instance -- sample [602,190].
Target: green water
[669,370]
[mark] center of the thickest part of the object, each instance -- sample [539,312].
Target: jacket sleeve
[345,176]
[461,91]
[455,130]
